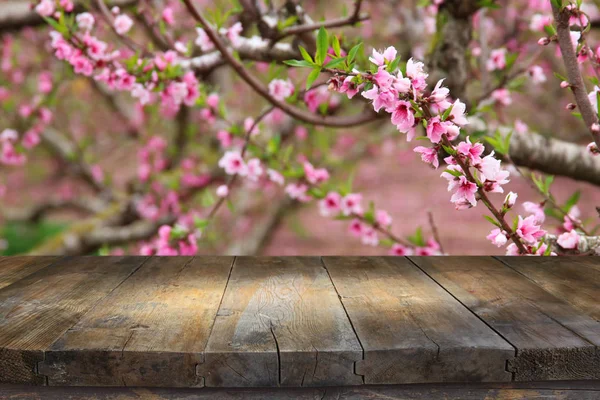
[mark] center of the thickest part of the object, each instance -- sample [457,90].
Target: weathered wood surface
[576,280]
[554,340]
[14,268]
[150,331]
[281,324]
[536,391]
[300,321]
[38,309]
[411,329]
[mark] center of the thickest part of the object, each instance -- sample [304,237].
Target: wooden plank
[411,329]
[571,391]
[554,340]
[36,310]
[151,331]
[575,280]
[14,268]
[281,324]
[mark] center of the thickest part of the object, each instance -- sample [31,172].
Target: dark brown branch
[589,115]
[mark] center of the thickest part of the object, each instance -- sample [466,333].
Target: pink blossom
[502,96]
[233,33]
[356,227]
[45,8]
[331,204]
[297,191]
[351,204]
[463,190]
[497,237]
[349,87]
[222,191]
[255,169]
[251,127]
[275,176]
[380,59]
[473,151]
[415,70]
[435,129]
[400,250]
[203,41]
[97,173]
[428,155]
[315,175]
[85,21]
[497,60]
[45,82]
[383,218]
[536,209]
[301,132]
[369,237]
[529,230]
[233,163]
[167,16]
[224,138]
[9,135]
[538,22]
[123,24]
[281,89]
[10,156]
[537,74]
[31,139]
[440,94]
[457,114]
[568,240]
[510,200]
[403,116]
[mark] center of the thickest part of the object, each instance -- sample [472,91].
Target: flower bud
[571,106]
[544,41]
[564,84]
[510,200]
[595,128]
[593,149]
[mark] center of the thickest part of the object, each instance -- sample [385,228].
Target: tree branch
[17,14]
[259,88]
[589,115]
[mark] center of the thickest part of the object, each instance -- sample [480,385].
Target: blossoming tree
[163,70]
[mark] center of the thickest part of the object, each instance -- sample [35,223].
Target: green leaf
[314,74]
[298,63]
[322,46]
[571,201]
[352,53]
[394,64]
[305,55]
[492,221]
[336,46]
[417,239]
[335,63]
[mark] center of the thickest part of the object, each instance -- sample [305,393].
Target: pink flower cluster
[171,241]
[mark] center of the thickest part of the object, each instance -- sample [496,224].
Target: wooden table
[499,325]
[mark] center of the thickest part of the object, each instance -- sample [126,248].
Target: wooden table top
[297,321]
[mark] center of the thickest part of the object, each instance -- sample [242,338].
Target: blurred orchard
[299,127]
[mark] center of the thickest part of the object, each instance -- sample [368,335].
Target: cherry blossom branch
[17,14]
[352,19]
[258,87]
[486,200]
[577,85]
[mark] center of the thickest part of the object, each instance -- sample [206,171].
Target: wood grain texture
[151,331]
[537,391]
[575,280]
[411,329]
[14,268]
[554,340]
[36,310]
[281,324]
